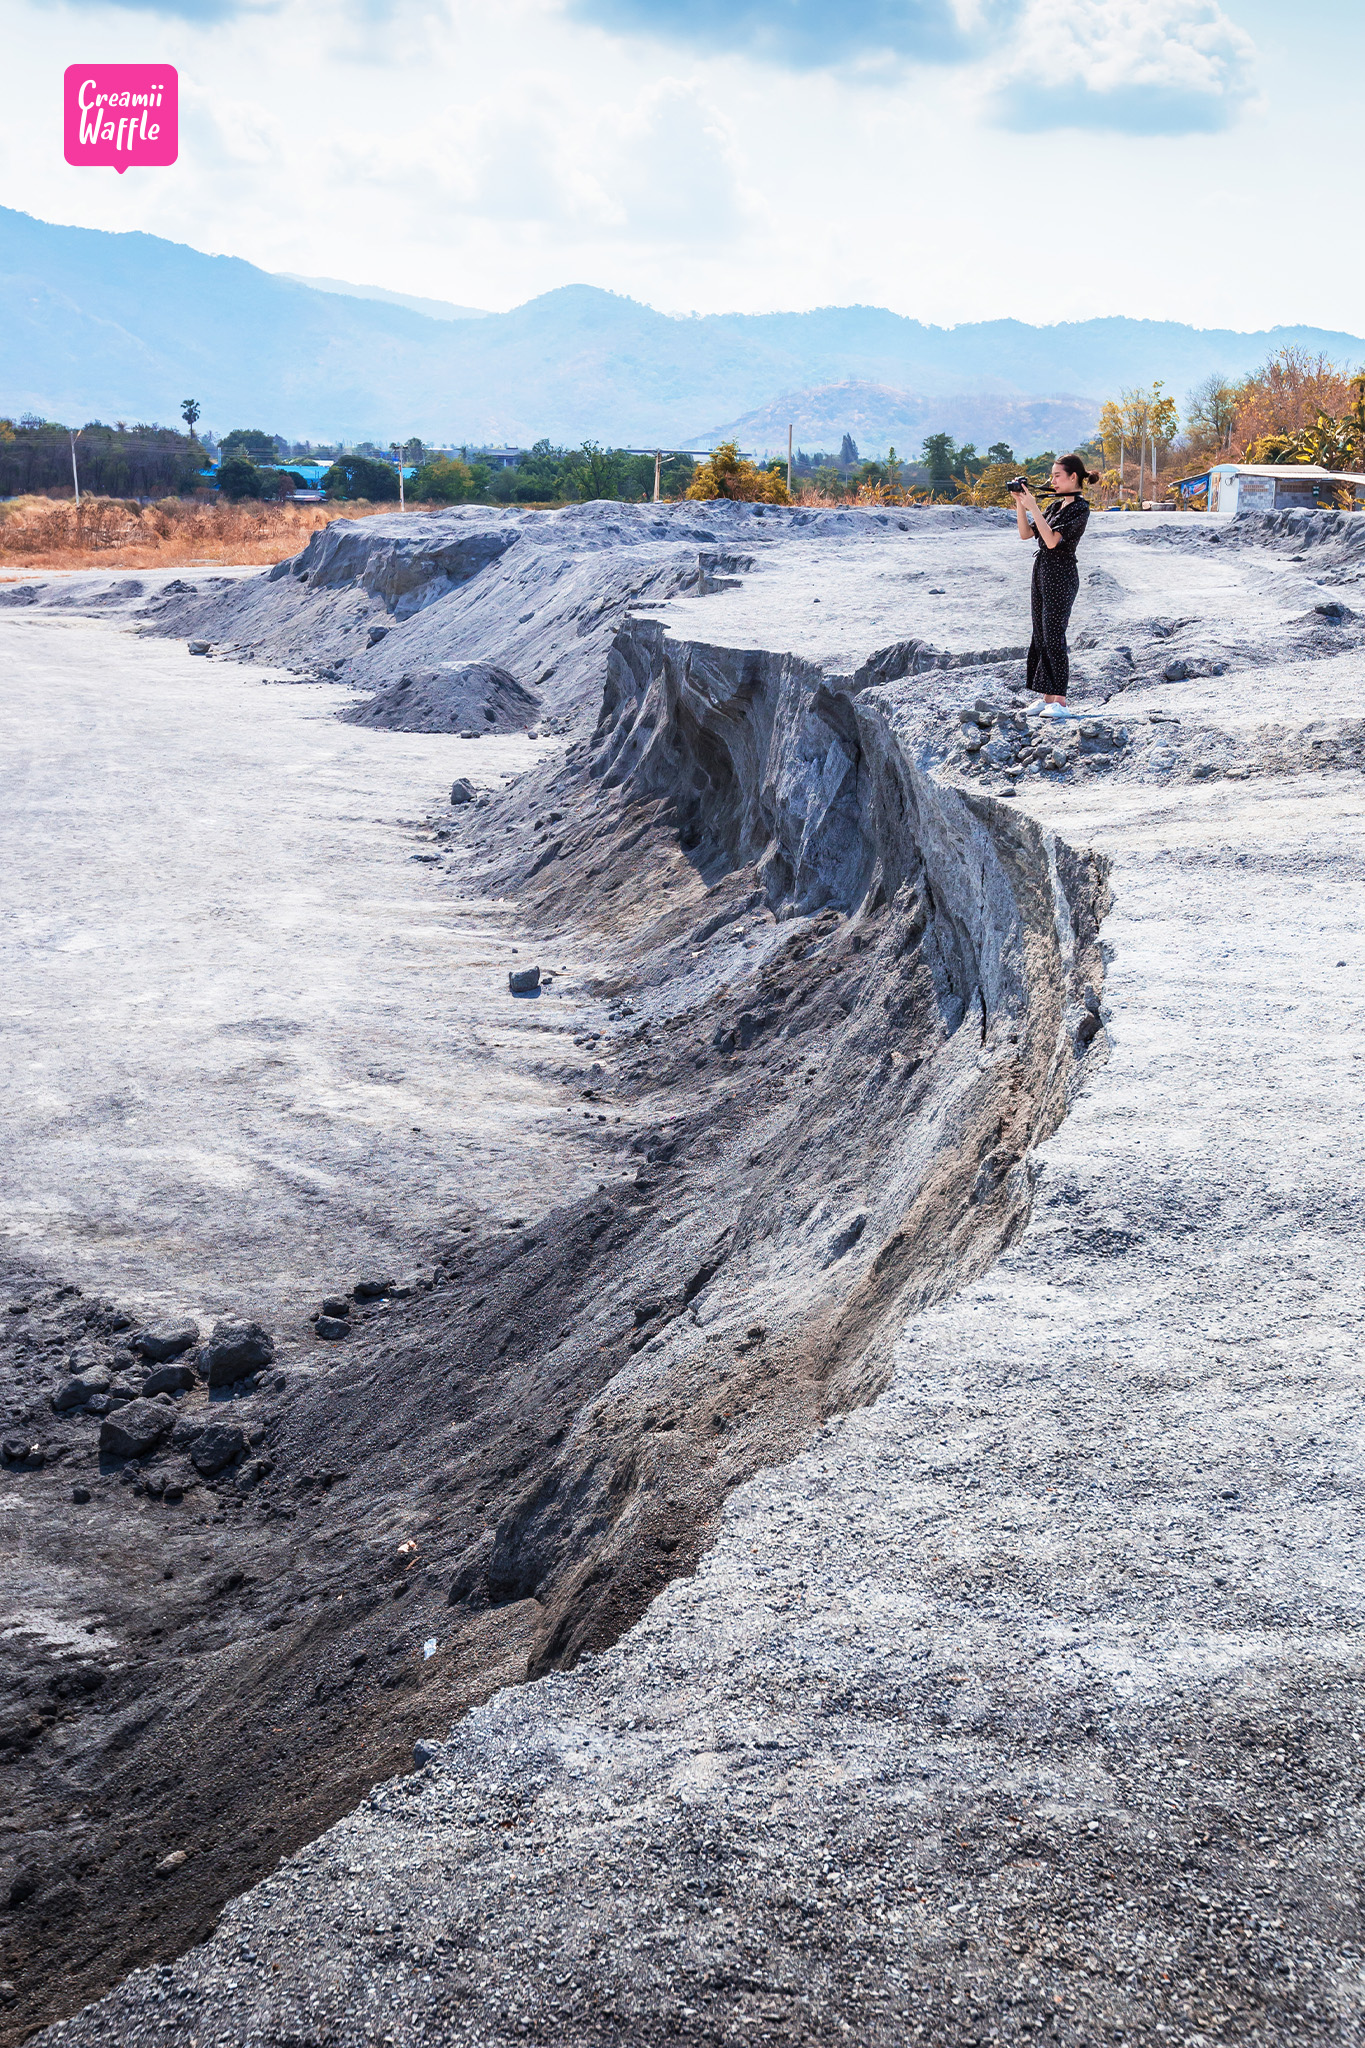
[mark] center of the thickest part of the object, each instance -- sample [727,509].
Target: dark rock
[174,1493]
[424,1753]
[167,1341]
[233,1351]
[81,1387]
[523,980]
[375,635]
[216,1447]
[373,1287]
[335,1305]
[135,1429]
[330,1328]
[461,791]
[169,1379]
[200,646]
[80,1494]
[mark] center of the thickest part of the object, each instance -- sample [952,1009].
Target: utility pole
[789,459]
[396,448]
[658,458]
[75,433]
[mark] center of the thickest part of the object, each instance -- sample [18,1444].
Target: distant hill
[123,326]
[435,309]
[880,417]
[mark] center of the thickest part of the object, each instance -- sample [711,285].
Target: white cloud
[1152,67]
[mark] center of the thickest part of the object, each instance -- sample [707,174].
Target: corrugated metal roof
[1288,472]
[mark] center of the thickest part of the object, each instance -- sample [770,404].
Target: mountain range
[123,326]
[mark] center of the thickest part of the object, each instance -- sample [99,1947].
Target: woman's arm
[1025,530]
[1027,502]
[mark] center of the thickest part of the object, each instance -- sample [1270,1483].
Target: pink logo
[122,114]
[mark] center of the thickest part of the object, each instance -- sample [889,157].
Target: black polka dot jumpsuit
[1056,579]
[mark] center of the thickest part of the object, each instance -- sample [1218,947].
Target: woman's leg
[1058,595]
[1037,673]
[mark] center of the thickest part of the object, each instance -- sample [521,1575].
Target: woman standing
[1056,578]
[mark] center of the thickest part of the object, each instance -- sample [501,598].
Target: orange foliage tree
[1287,395]
[726,474]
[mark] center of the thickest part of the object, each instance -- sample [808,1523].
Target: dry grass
[118,533]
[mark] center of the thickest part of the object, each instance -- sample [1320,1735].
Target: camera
[1016,484]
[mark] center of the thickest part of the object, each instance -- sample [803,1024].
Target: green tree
[442,481]
[249,441]
[238,478]
[356,476]
[941,461]
[189,413]
[599,471]
[1000,451]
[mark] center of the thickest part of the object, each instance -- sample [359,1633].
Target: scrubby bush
[37,532]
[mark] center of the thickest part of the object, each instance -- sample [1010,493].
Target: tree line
[1296,407]
[118,461]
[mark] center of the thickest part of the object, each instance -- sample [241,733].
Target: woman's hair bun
[1092,476]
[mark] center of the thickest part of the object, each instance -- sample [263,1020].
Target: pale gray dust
[253,1039]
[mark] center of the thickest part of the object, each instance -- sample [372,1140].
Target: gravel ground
[254,1041]
[1025,1702]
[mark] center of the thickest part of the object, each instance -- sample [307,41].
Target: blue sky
[953,159]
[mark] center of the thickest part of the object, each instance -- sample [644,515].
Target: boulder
[335,1305]
[216,1447]
[168,1340]
[461,791]
[331,1328]
[373,1287]
[169,1379]
[233,1351]
[82,1387]
[523,981]
[132,1431]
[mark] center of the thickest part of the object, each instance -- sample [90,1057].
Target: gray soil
[925,1513]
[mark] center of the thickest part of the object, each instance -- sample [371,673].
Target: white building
[1272,487]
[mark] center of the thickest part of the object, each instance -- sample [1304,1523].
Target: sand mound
[469,697]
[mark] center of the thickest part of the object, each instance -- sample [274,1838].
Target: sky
[951,159]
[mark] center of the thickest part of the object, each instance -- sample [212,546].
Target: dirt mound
[468,697]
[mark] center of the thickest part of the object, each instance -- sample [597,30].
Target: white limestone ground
[1026,1703]
[253,1040]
